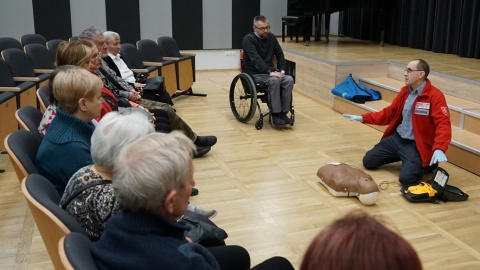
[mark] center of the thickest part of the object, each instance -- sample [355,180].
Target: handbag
[202,230]
[356,92]
[154,89]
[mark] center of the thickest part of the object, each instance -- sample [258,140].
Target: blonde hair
[77,53]
[71,85]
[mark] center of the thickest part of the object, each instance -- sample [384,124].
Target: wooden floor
[263,182]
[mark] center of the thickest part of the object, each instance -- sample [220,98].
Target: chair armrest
[171,58]
[43,70]
[155,64]
[187,54]
[26,79]
[9,89]
[138,70]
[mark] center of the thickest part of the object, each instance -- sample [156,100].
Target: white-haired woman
[89,195]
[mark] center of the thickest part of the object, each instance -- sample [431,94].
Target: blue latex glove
[437,157]
[353,117]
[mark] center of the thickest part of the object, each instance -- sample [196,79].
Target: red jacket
[432,131]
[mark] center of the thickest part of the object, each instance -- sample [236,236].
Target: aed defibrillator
[434,190]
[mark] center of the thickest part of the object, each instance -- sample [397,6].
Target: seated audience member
[94,34]
[359,241]
[152,179]
[66,146]
[89,195]
[116,63]
[85,54]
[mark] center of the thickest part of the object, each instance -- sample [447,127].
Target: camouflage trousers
[176,123]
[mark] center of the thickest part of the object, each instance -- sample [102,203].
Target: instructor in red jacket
[418,132]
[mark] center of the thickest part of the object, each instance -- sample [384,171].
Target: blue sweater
[64,149]
[145,240]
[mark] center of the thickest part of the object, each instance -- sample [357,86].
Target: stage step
[464,150]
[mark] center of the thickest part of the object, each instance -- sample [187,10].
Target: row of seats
[26,64]
[464,150]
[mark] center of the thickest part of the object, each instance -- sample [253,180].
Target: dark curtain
[444,26]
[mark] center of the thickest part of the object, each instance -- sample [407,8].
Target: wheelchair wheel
[259,124]
[243,97]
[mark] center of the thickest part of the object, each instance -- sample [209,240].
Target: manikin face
[262,28]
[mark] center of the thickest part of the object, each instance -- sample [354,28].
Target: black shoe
[277,120]
[194,192]
[206,141]
[201,151]
[285,118]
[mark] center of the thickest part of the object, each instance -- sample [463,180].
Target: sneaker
[201,151]
[208,214]
[285,118]
[208,141]
[277,120]
[194,192]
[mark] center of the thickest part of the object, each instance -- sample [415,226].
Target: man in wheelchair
[260,47]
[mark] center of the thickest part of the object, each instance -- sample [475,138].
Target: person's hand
[437,157]
[353,117]
[134,96]
[277,74]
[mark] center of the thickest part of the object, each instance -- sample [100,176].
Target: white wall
[217,59]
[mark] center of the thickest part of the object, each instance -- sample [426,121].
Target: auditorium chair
[152,56]
[24,92]
[29,118]
[22,146]
[184,65]
[9,42]
[52,221]
[133,59]
[43,95]
[75,253]
[40,58]
[52,46]
[21,68]
[33,39]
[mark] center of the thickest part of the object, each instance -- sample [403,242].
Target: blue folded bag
[356,92]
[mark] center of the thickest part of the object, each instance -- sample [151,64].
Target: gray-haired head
[90,33]
[109,35]
[113,132]
[148,168]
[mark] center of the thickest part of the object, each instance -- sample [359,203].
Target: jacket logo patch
[444,110]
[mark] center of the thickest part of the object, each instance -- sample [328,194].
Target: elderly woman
[66,146]
[89,195]
[152,179]
[85,54]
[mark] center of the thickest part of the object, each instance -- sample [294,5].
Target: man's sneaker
[277,120]
[194,192]
[285,118]
[206,141]
[208,214]
[201,151]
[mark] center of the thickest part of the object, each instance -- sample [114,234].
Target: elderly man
[115,61]
[419,130]
[94,34]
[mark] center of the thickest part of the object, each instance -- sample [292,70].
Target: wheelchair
[244,95]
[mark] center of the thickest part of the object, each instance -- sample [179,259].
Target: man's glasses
[409,70]
[263,28]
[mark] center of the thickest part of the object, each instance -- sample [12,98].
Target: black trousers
[392,149]
[237,258]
